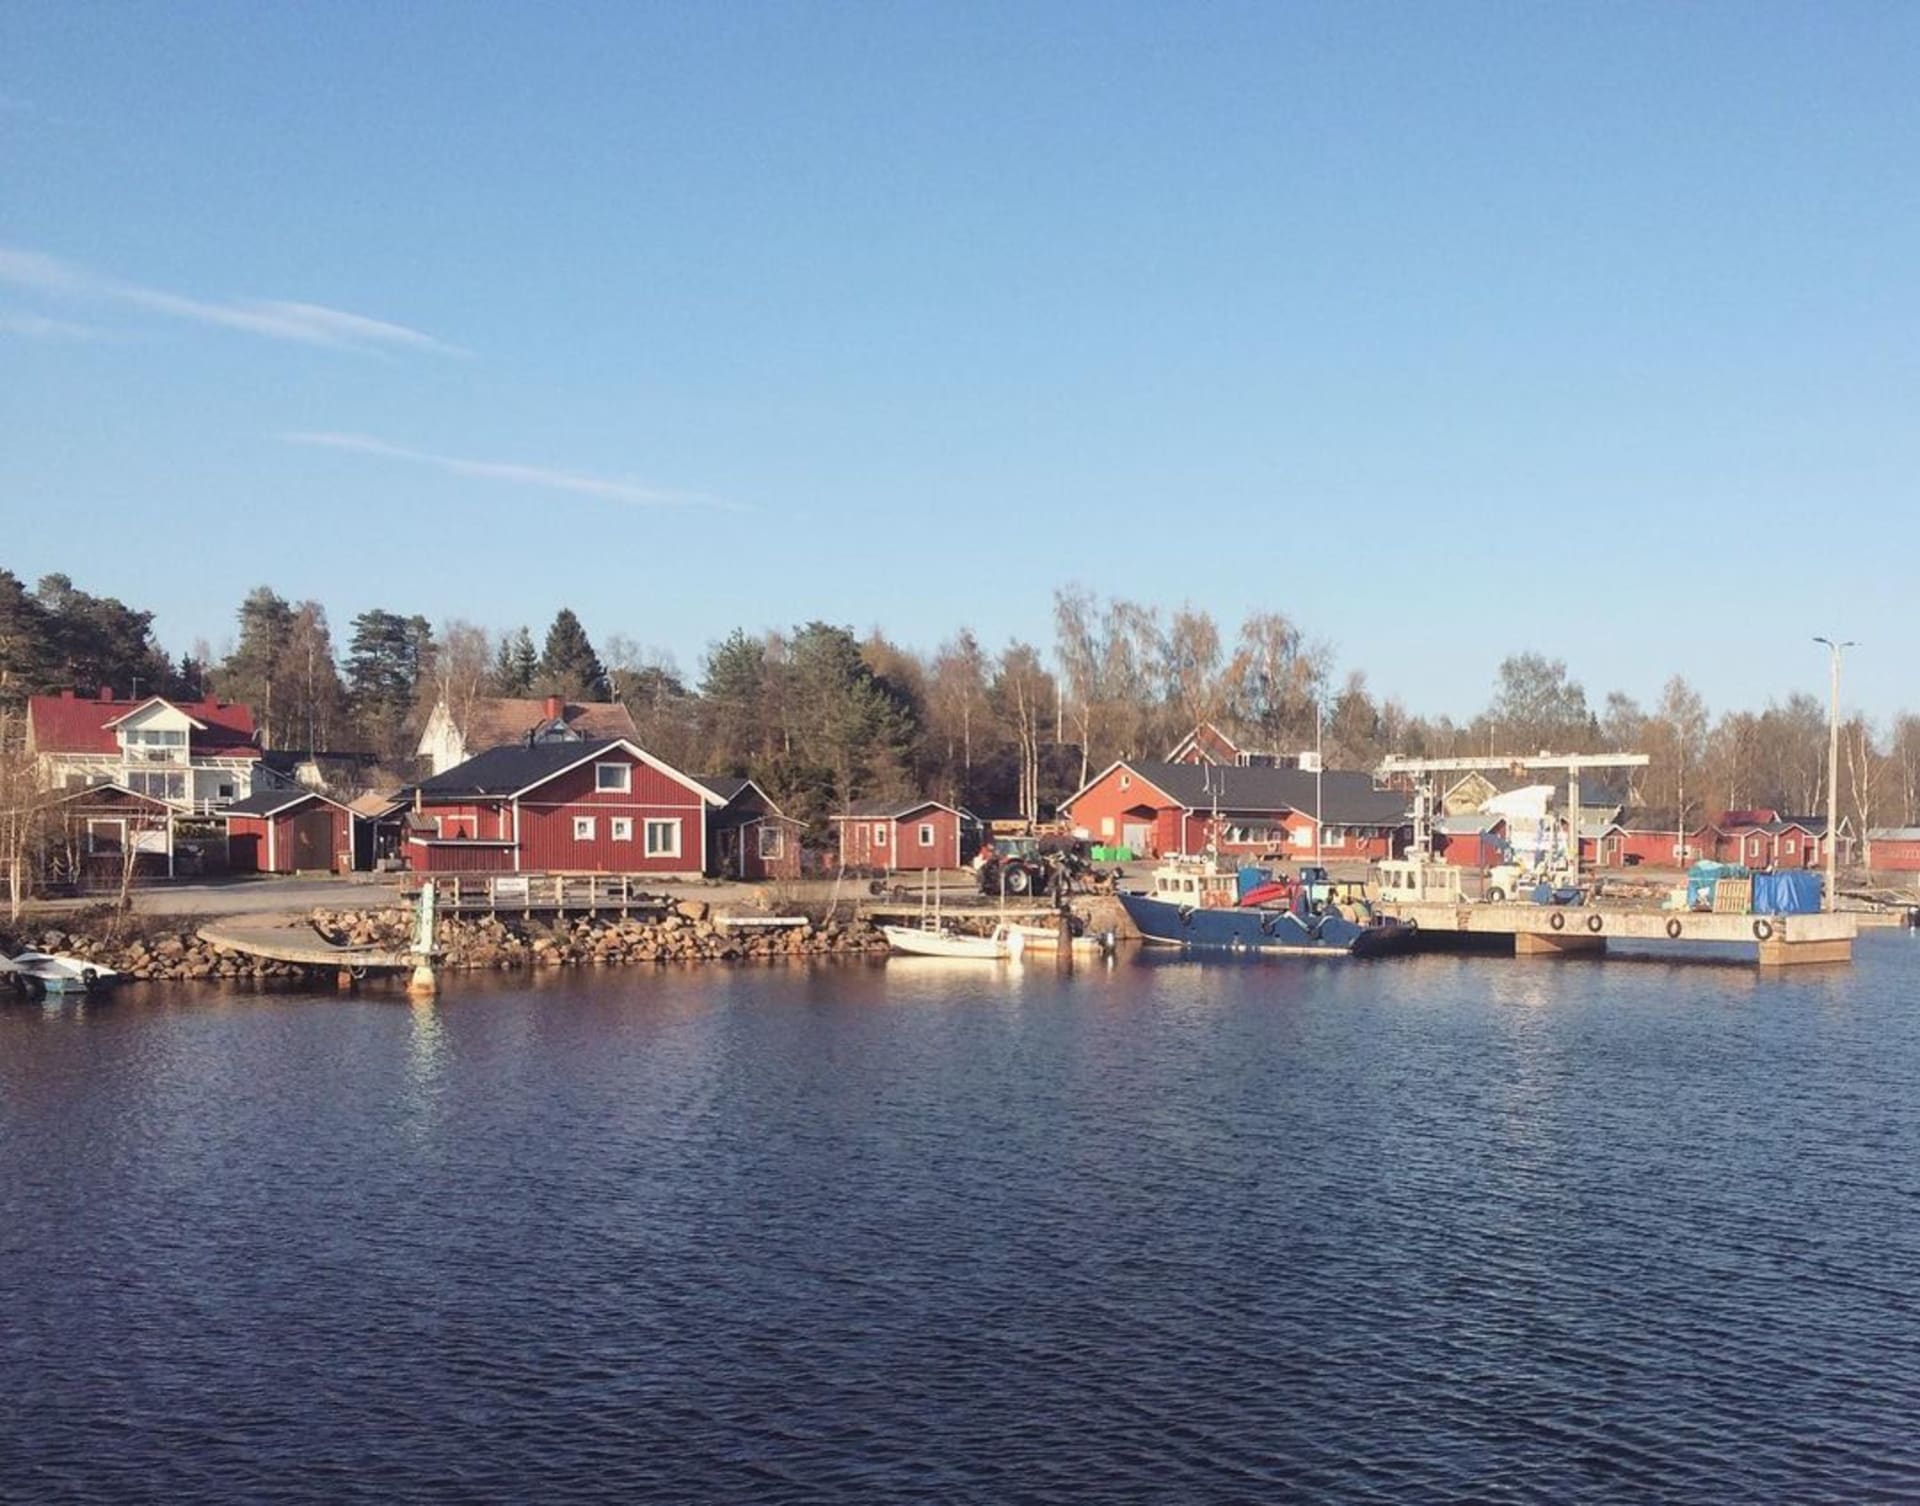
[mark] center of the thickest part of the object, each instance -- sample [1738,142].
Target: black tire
[1557,921]
[1594,923]
[877,888]
[1496,896]
[1673,930]
[1017,881]
[1762,930]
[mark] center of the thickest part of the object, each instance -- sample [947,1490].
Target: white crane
[1423,769]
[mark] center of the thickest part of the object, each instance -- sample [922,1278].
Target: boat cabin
[1410,881]
[1202,888]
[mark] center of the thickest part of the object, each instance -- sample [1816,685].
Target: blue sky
[1452,331]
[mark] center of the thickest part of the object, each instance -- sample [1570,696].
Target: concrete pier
[1579,930]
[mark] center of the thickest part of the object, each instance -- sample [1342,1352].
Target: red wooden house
[1894,849]
[87,836]
[1766,839]
[1478,840]
[289,831]
[904,834]
[748,836]
[561,807]
[1156,808]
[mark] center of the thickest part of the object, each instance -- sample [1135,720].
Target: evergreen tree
[387,663]
[99,643]
[516,665]
[25,662]
[250,672]
[570,667]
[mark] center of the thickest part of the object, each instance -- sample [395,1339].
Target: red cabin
[289,831]
[748,836]
[903,834]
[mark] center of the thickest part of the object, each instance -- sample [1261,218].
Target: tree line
[822,716]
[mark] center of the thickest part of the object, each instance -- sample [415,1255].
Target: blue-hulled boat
[1196,906]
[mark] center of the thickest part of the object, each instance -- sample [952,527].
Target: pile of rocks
[158,955]
[686,932]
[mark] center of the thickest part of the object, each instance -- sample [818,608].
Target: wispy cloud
[275,319]
[605,488]
[39,327]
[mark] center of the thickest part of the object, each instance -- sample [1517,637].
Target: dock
[291,938]
[541,894]
[1577,930]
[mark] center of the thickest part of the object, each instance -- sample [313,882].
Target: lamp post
[1834,650]
[1319,765]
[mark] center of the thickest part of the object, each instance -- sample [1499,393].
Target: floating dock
[1577,930]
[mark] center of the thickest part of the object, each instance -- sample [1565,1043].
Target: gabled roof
[71,724]
[1347,797]
[1893,833]
[730,787]
[894,810]
[136,707]
[272,802]
[518,767]
[374,805]
[119,793]
[1209,742]
[495,721]
[1477,824]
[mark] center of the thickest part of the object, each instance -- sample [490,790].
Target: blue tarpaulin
[1791,893]
[1251,878]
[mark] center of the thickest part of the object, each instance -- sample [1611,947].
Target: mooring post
[1063,944]
[422,984]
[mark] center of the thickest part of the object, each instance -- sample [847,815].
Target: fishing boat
[1005,944]
[36,974]
[1047,939]
[1197,905]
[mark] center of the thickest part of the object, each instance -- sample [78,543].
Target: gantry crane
[1423,770]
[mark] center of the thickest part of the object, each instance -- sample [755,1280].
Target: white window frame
[583,828]
[94,849]
[655,824]
[624,770]
[620,828]
[879,834]
[772,842]
[926,834]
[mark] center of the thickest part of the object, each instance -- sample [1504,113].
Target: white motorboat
[1006,944]
[1047,939]
[38,973]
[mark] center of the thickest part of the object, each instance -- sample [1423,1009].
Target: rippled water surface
[1436,1230]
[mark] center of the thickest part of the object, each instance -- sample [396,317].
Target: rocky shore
[171,950]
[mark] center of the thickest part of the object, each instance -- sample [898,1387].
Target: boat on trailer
[1197,905]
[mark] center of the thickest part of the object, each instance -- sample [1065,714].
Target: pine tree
[250,672]
[516,665]
[569,667]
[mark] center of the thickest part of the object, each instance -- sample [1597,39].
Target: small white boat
[1006,944]
[38,973]
[1047,939]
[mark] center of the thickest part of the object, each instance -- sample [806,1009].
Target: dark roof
[266,802]
[1348,797]
[726,786]
[867,810]
[502,771]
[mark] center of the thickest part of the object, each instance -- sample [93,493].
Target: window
[773,842]
[614,778]
[926,834]
[157,784]
[622,828]
[106,838]
[879,834]
[1126,781]
[1789,844]
[226,792]
[1106,826]
[583,828]
[663,839]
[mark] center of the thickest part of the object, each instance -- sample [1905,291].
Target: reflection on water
[1436,1229]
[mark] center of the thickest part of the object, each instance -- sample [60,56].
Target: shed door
[312,839]
[1137,835]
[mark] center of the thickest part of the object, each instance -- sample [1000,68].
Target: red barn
[897,834]
[289,831]
[748,836]
[561,807]
[1894,849]
[1156,808]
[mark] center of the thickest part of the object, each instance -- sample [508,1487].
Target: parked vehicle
[1020,866]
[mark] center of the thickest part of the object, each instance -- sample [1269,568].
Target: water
[1434,1230]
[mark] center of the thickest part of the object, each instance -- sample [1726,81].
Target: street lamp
[1834,650]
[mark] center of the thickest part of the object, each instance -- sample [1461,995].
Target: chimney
[66,692]
[555,706]
[106,692]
